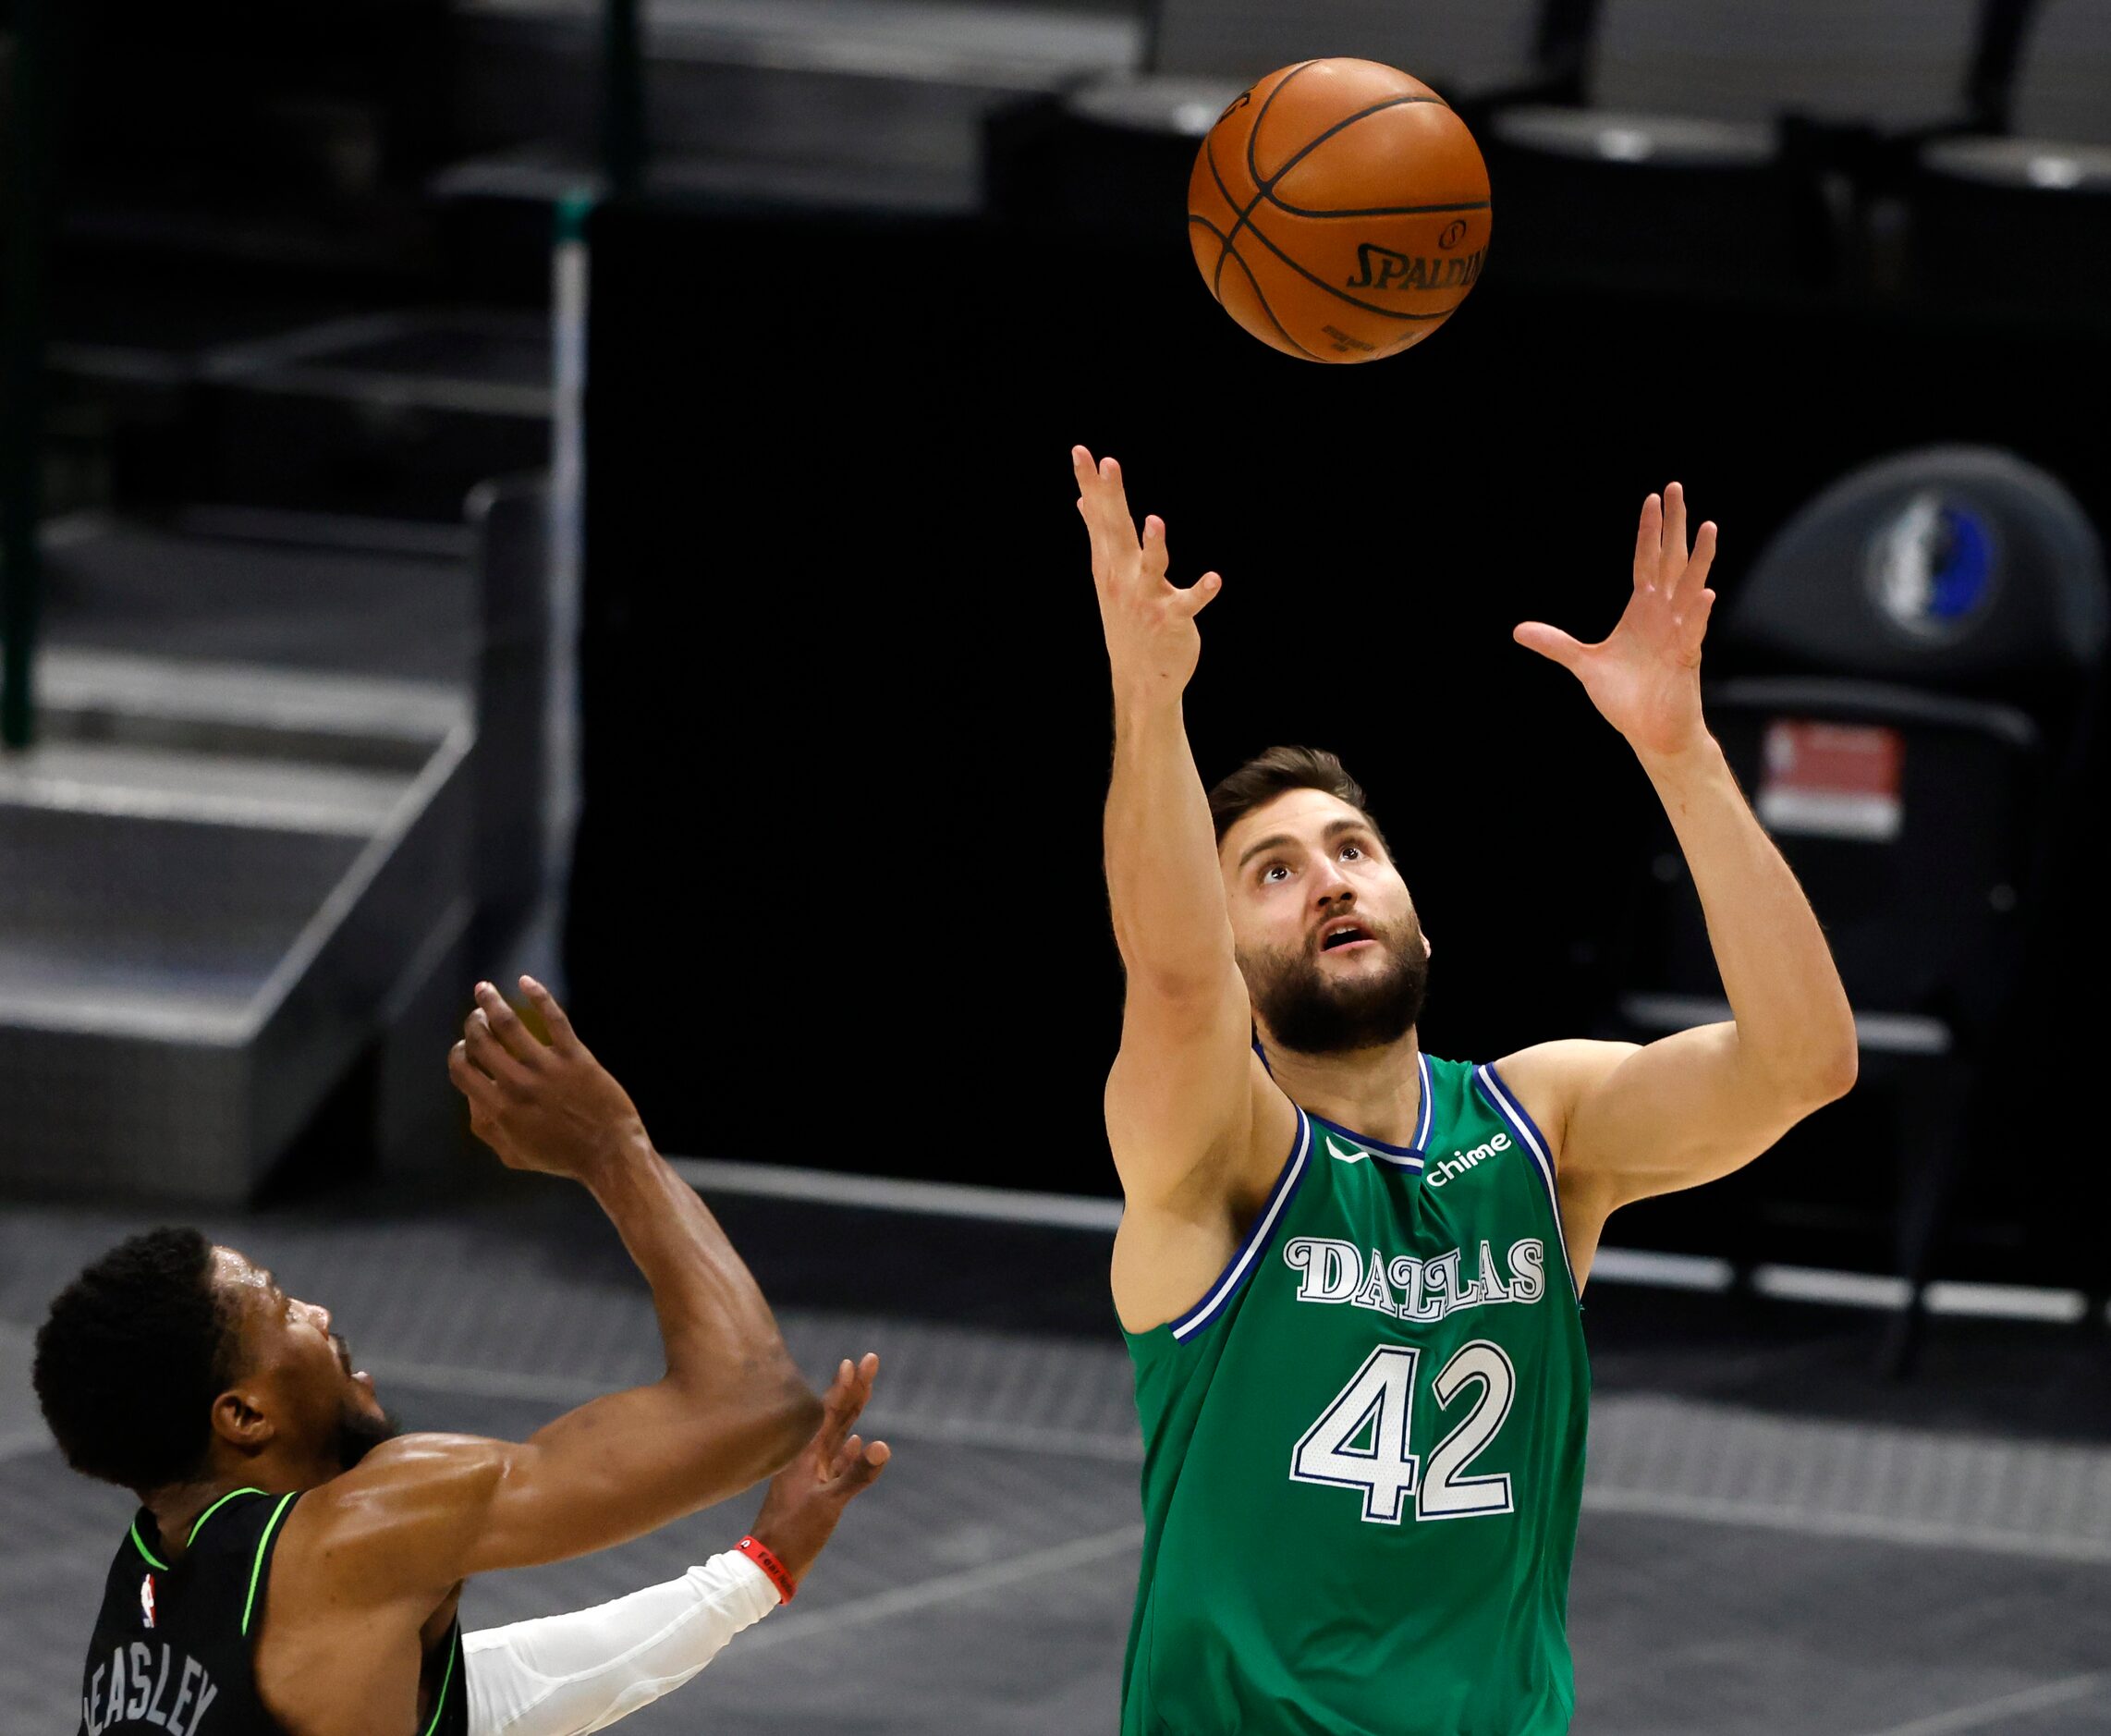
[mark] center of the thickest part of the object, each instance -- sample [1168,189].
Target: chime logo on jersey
[1412,1289]
[147,1598]
[1459,1161]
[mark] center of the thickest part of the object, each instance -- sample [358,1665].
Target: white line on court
[1611,1265]
[946,1588]
[1125,1449]
[1871,1527]
[2006,1301]
[890,1193]
[2050,1693]
[485,1383]
[1661,1271]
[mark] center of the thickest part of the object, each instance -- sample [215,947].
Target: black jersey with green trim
[173,1650]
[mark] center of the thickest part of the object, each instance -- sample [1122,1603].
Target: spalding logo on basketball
[1339,211]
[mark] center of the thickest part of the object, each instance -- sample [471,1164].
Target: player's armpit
[1176,1239]
[1637,1121]
[396,1527]
[1180,1096]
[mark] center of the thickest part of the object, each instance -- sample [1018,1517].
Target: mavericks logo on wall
[1931,568]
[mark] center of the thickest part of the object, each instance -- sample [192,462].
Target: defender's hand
[808,1495]
[1152,642]
[1645,677]
[546,1105]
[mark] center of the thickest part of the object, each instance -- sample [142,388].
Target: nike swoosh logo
[1349,1157]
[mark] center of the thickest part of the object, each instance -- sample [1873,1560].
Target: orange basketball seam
[1313,143]
[1264,191]
[1252,171]
[1260,297]
[1224,239]
[1380,211]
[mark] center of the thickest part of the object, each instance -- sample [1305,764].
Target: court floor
[1772,1540]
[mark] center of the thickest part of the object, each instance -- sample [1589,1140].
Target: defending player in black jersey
[296,1567]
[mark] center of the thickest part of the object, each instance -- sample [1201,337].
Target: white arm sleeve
[567,1675]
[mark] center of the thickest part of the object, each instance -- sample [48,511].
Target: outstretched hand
[1152,642]
[1644,676]
[539,1103]
[808,1495]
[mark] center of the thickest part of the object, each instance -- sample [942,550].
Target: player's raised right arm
[731,1409]
[1179,1094]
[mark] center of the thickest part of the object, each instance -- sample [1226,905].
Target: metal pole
[622,97]
[569,292]
[26,231]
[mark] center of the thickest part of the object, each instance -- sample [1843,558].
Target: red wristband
[759,1553]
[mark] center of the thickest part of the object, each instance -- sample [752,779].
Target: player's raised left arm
[1698,1103]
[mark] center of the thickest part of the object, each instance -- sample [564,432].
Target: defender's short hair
[1270,774]
[130,1358]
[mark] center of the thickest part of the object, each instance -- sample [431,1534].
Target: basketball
[1339,211]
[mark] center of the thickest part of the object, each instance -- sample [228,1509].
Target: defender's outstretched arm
[1696,1105]
[422,1512]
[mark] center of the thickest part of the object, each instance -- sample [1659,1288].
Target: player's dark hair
[1270,774]
[130,1358]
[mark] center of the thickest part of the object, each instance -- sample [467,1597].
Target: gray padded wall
[1468,47]
[2063,78]
[1892,62]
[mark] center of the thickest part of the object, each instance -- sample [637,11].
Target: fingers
[1695,577]
[844,1399]
[1196,596]
[1549,641]
[1105,504]
[488,1054]
[562,1035]
[1115,495]
[1087,475]
[476,1086]
[1649,541]
[1674,556]
[1199,595]
[858,1467]
[1155,548]
[842,1403]
[513,1036]
[1693,626]
[1100,492]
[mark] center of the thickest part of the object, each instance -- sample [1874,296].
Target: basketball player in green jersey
[296,1567]
[1349,1271]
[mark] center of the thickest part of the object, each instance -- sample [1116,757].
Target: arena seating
[2022,219]
[1716,141]
[1115,152]
[1923,637]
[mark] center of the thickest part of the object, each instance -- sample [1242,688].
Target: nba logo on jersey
[147,1598]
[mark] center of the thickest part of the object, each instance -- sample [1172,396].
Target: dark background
[847,725]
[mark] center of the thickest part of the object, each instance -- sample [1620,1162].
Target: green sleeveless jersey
[1363,1446]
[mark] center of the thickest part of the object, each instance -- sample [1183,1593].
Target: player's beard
[358,1433]
[1305,1011]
